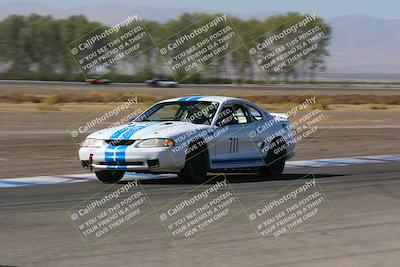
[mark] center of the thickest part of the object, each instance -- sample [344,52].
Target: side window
[241,114]
[255,114]
[232,114]
[226,116]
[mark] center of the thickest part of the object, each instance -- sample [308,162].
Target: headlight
[155,142]
[92,142]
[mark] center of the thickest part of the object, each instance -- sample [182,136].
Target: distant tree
[40,43]
[314,60]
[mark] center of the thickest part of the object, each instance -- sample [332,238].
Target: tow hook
[91,162]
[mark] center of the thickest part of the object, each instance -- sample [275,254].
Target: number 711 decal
[234,147]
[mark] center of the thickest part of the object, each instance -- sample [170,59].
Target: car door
[264,129]
[233,147]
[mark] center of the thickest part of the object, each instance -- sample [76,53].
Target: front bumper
[154,160]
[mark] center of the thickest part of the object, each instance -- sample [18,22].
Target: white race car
[191,136]
[161,82]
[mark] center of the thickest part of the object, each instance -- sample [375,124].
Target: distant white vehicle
[162,82]
[191,136]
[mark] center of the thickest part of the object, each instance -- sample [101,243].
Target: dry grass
[100,107]
[378,106]
[90,97]
[324,101]
[48,107]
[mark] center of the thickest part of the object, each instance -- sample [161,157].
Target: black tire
[110,176]
[197,163]
[275,160]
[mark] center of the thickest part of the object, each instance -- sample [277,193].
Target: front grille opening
[153,163]
[113,163]
[120,142]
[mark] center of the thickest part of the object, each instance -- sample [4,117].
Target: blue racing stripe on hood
[118,153]
[126,132]
[118,133]
[131,130]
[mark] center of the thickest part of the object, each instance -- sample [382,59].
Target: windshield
[198,112]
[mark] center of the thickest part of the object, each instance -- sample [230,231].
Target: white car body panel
[232,149]
[162,83]
[167,83]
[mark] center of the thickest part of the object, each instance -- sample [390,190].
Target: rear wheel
[196,165]
[110,176]
[276,159]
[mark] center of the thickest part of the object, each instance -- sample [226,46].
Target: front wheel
[110,176]
[196,165]
[275,160]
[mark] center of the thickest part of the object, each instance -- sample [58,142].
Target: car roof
[219,99]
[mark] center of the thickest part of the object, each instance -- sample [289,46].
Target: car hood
[144,130]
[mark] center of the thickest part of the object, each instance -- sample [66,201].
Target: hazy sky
[324,8]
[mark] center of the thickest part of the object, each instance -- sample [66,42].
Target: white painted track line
[76,178]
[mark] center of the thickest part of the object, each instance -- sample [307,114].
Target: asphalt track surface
[362,229]
[272,89]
